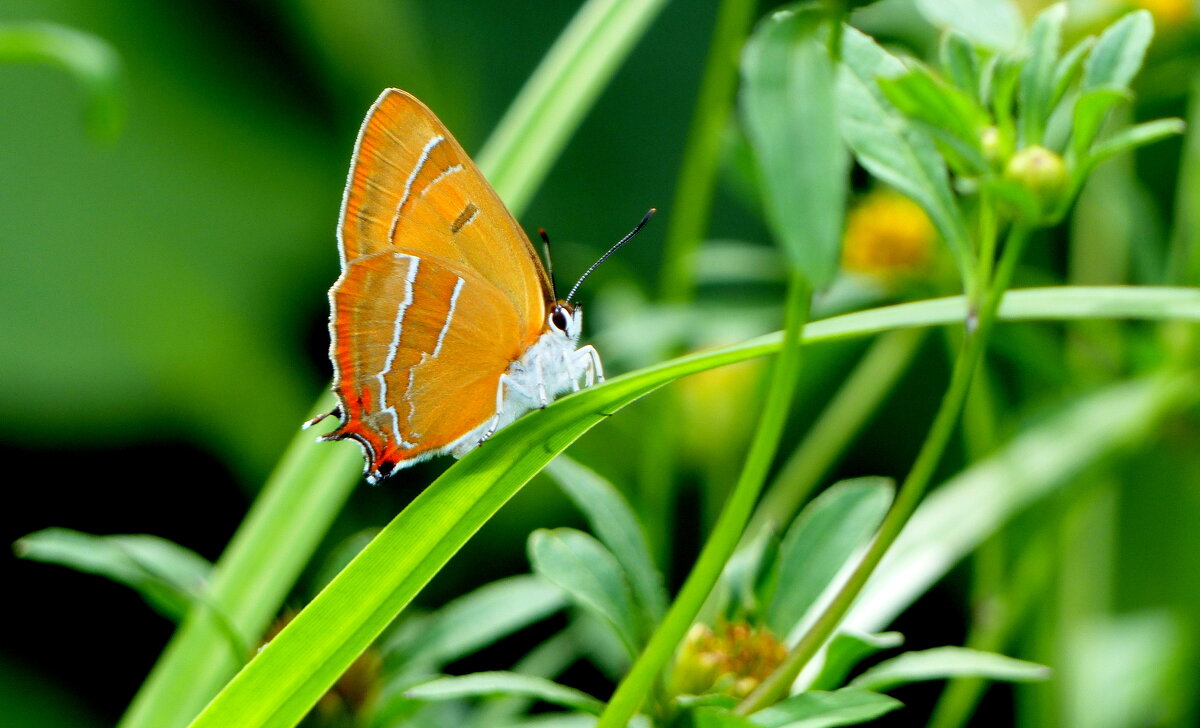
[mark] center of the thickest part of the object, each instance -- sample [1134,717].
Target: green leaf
[478,619]
[505,683]
[291,673]
[93,62]
[1069,68]
[995,24]
[961,61]
[788,106]
[846,650]
[1091,109]
[951,115]
[940,663]
[168,576]
[1136,136]
[590,575]
[820,542]
[615,523]
[752,575]
[816,709]
[1117,55]
[957,516]
[710,717]
[551,105]
[889,147]
[1039,73]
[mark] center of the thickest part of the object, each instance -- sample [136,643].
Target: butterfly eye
[558,319]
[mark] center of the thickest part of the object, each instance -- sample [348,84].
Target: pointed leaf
[846,650]
[940,663]
[995,24]
[1136,136]
[788,105]
[887,145]
[489,613]
[820,542]
[1118,54]
[961,62]
[816,709]
[168,576]
[505,683]
[1070,66]
[617,526]
[1091,109]
[1038,74]
[590,575]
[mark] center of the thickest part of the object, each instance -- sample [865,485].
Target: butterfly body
[444,326]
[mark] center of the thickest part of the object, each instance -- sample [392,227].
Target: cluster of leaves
[960,144]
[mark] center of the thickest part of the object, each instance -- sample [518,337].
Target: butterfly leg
[589,359]
[505,380]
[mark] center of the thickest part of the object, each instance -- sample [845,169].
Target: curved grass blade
[284,680]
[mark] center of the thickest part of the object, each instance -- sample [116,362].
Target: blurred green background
[162,310]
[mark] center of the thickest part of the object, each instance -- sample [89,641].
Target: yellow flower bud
[888,236]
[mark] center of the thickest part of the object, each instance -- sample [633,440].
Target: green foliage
[993,133]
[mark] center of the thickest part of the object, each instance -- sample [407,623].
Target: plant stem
[853,404]
[697,176]
[979,326]
[729,527]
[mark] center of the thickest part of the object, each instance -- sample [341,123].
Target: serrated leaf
[887,145]
[617,526]
[505,683]
[820,542]
[1038,73]
[1119,52]
[846,650]
[817,709]
[485,615]
[590,575]
[940,663]
[995,24]
[788,105]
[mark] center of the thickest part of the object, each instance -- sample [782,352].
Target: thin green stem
[697,176]
[979,326]
[833,430]
[728,531]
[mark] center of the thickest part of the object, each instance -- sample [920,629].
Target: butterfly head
[567,319]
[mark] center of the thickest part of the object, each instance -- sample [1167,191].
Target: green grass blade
[558,94]
[92,61]
[283,680]
[940,663]
[505,683]
[313,480]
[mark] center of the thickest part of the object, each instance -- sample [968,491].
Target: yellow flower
[1167,12]
[888,236]
[733,659]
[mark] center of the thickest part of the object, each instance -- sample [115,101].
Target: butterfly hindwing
[412,332]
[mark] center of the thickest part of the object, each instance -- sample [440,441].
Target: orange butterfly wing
[440,290]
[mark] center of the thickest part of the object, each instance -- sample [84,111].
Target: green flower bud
[1040,171]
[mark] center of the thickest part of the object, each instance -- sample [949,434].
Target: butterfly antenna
[645,219]
[549,261]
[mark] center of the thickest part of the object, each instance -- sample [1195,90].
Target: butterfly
[444,324]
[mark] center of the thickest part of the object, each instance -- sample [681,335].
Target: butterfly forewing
[440,290]
[413,186]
